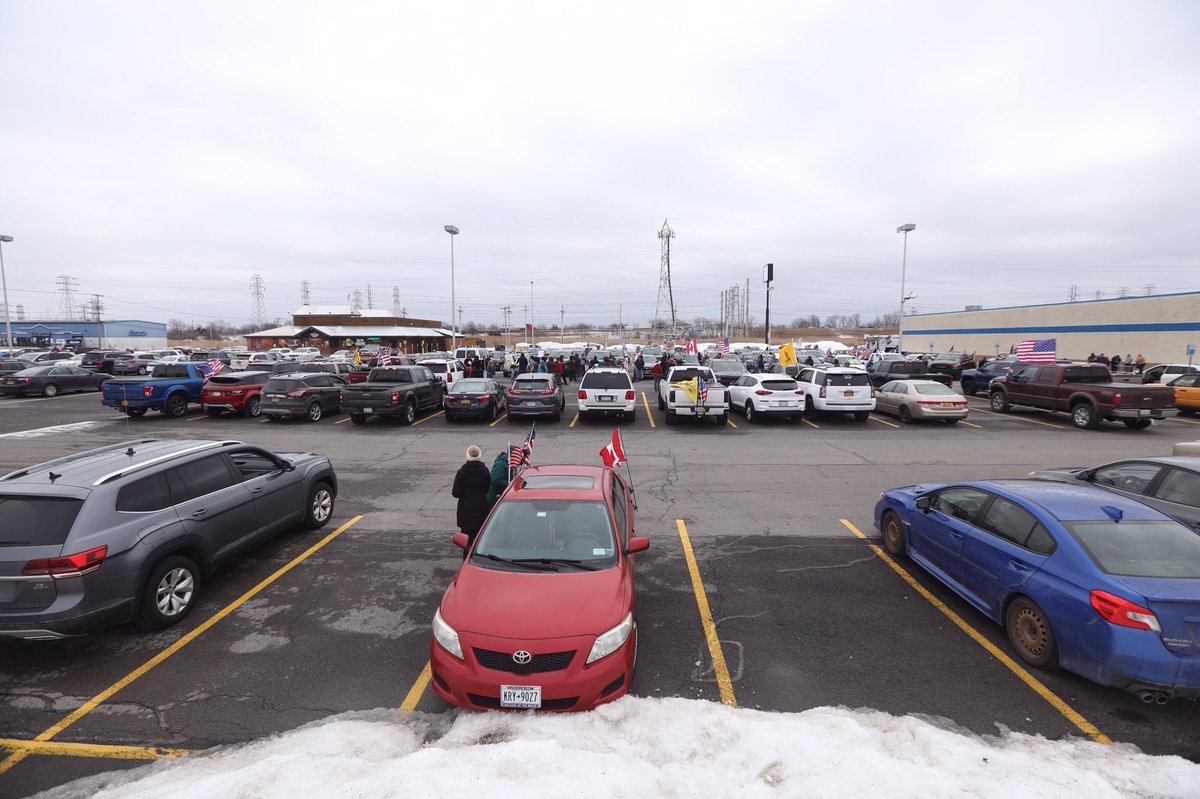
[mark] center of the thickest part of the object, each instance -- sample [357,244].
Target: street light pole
[531,312]
[905,229]
[4,285]
[453,231]
[769,272]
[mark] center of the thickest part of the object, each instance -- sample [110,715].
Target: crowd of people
[1115,362]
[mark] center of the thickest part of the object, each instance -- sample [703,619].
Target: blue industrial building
[119,334]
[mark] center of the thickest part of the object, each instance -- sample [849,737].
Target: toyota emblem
[522,657]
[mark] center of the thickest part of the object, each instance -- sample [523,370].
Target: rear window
[472,387]
[171,370]
[780,385]
[282,386]
[933,388]
[1141,549]
[845,379]
[618,380]
[143,496]
[435,367]
[679,375]
[36,521]
[1088,374]
[390,376]
[250,379]
[531,385]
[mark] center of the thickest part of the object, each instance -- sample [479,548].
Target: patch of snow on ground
[640,747]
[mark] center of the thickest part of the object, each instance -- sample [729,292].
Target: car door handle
[1019,566]
[196,514]
[258,490]
[955,535]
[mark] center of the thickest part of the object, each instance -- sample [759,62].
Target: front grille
[493,702]
[500,661]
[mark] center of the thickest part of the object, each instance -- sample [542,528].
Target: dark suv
[130,531]
[101,360]
[302,394]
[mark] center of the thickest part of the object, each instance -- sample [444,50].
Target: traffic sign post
[1191,353]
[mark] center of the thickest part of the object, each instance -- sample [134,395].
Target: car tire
[135,412]
[968,387]
[495,414]
[953,421]
[669,417]
[214,412]
[449,418]
[810,410]
[892,530]
[170,593]
[721,419]
[314,412]
[905,415]
[410,413]
[662,403]
[999,402]
[141,370]
[50,390]
[175,406]
[1136,424]
[748,410]
[253,408]
[1030,634]
[862,416]
[357,419]
[1083,416]
[320,506]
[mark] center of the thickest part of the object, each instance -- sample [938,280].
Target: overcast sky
[162,153]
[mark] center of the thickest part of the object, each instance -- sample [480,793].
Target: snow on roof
[642,746]
[342,310]
[355,331]
[277,332]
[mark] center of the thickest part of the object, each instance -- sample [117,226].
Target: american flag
[210,368]
[723,345]
[385,358]
[1040,350]
[528,448]
[703,390]
[515,456]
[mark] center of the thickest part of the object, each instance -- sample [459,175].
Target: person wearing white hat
[471,484]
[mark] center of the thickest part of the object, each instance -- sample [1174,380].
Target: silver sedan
[921,399]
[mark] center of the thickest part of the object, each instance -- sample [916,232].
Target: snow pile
[651,747]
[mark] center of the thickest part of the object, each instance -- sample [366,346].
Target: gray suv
[130,531]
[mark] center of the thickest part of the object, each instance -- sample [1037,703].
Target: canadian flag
[614,454]
[691,348]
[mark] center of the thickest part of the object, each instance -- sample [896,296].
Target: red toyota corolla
[543,613]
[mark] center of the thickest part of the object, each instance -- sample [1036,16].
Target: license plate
[784,403]
[124,402]
[526,696]
[847,393]
[605,398]
[368,410]
[947,405]
[217,394]
[274,399]
[1144,412]
[529,404]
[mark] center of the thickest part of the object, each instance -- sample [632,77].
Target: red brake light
[299,393]
[484,400]
[628,395]
[548,392]
[395,397]
[1117,398]
[148,390]
[583,395]
[25,380]
[799,391]
[762,393]
[449,377]
[70,566]
[1124,613]
[341,397]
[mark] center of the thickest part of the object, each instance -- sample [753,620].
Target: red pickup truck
[1086,391]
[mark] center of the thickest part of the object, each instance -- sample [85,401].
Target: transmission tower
[1073,293]
[66,297]
[305,294]
[20,312]
[370,297]
[396,301]
[258,301]
[1148,289]
[356,300]
[665,234]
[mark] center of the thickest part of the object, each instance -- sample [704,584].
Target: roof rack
[137,467]
[77,456]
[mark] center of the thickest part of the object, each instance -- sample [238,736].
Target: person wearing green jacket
[499,478]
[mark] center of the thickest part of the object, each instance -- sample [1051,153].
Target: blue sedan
[1083,579]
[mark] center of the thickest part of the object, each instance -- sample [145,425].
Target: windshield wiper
[559,561]
[527,564]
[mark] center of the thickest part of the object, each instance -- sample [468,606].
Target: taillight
[395,397]
[1124,613]
[583,395]
[484,400]
[628,396]
[341,397]
[960,405]
[70,566]
[1117,398]
[763,393]
[148,390]
[547,392]
[449,377]
[238,391]
[299,393]
[25,380]
[799,391]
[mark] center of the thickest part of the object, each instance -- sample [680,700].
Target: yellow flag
[357,359]
[787,355]
[691,388]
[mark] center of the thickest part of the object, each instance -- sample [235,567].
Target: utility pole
[769,272]
[621,324]
[1073,293]
[506,310]
[531,312]
[305,294]
[396,301]
[370,297]
[746,311]
[66,297]
[525,324]
[97,307]
[562,315]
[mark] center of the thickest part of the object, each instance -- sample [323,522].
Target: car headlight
[612,640]
[445,635]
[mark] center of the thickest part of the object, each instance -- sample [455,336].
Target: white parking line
[77,427]
[4,403]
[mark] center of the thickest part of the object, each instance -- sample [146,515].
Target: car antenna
[54,476]
[130,451]
[1113,513]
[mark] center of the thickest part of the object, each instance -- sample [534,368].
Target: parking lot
[761,523]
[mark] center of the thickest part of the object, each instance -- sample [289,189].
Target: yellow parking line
[413,698]
[649,415]
[810,424]
[881,421]
[1019,418]
[971,424]
[342,421]
[576,419]
[142,670]
[1034,683]
[263,421]
[498,421]
[427,418]
[197,418]
[104,751]
[706,619]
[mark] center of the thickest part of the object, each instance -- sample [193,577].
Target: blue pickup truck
[173,386]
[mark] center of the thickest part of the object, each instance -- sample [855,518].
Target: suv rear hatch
[845,387]
[33,529]
[606,388]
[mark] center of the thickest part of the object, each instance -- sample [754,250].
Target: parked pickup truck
[173,386]
[675,402]
[1086,391]
[396,391]
[886,371]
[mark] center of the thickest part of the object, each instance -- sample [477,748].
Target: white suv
[605,391]
[448,370]
[834,389]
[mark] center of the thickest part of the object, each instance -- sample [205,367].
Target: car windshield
[1140,548]
[472,387]
[529,384]
[605,380]
[36,521]
[933,388]
[536,529]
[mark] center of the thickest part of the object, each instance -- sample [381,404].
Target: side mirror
[923,503]
[637,545]
[1084,474]
[461,541]
[287,466]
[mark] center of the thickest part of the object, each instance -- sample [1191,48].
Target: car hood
[535,604]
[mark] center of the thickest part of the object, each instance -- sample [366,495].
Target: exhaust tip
[1162,699]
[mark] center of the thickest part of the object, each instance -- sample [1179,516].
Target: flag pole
[508,459]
